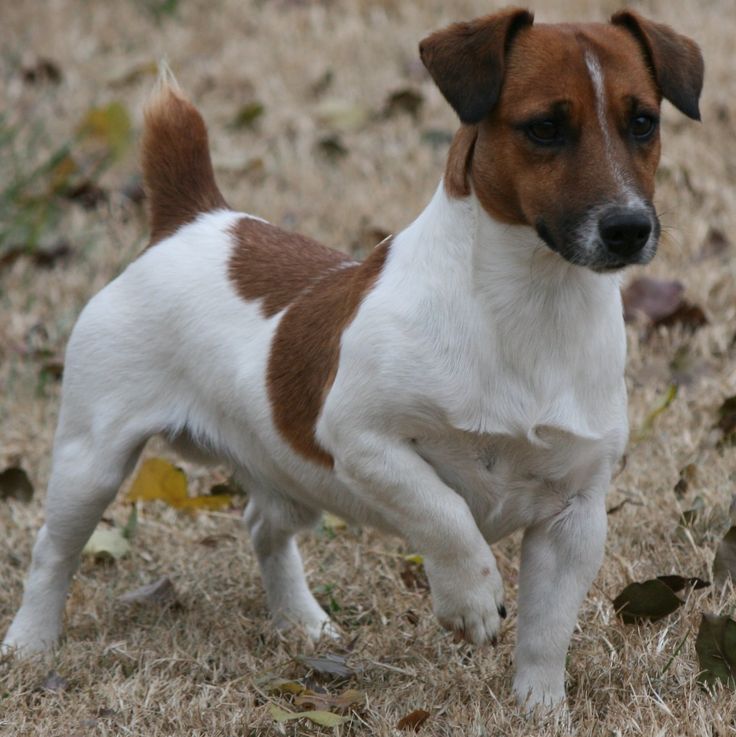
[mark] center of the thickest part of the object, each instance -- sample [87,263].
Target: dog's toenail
[502,611]
[494,641]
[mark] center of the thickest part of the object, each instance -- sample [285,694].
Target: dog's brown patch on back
[306,349]
[275,265]
[177,169]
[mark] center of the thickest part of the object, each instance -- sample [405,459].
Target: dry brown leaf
[413,720]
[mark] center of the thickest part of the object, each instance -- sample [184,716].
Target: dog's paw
[310,618]
[23,641]
[539,694]
[468,598]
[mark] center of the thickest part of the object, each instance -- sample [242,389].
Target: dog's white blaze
[596,77]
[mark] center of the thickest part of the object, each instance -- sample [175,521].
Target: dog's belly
[511,483]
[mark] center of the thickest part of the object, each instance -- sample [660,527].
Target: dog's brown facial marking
[570,143]
[320,291]
[306,348]
[274,265]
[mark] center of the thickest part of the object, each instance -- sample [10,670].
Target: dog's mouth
[605,239]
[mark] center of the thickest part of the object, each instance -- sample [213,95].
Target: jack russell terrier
[464,381]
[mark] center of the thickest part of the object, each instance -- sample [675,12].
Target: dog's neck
[507,309]
[458,240]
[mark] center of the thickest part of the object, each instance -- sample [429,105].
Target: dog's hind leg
[272,523]
[87,469]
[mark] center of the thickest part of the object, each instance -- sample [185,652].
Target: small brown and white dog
[464,381]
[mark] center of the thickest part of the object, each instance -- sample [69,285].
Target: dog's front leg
[403,490]
[560,557]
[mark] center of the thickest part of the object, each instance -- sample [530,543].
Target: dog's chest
[513,482]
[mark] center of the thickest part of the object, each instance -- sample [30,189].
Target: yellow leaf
[416,559]
[107,542]
[333,522]
[323,718]
[110,126]
[159,480]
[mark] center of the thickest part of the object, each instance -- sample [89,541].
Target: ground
[328,156]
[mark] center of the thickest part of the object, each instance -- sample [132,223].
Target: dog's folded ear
[676,61]
[467,60]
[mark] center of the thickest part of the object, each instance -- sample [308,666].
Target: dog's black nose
[625,232]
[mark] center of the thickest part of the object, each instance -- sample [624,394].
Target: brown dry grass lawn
[194,670]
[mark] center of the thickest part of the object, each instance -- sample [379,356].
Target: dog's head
[561,125]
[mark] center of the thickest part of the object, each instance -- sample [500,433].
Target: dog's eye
[544,132]
[643,126]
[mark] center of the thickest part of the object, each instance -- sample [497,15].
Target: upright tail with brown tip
[177,169]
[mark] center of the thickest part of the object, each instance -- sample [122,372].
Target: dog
[464,381]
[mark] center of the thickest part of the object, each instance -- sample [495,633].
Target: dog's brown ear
[467,60]
[675,60]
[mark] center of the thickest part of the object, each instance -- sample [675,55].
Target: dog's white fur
[480,390]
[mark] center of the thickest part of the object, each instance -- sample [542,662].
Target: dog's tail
[177,169]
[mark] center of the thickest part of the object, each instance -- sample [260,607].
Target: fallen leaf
[158,592]
[326,701]
[333,522]
[650,600]
[41,71]
[54,682]
[687,314]
[727,418]
[248,115]
[275,684]
[687,476]
[413,720]
[406,100]
[716,649]
[715,245]
[106,543]
[678,583]
[341,115]
[662,302]
[332,147]
[724,564]
[109,126]
[322,718]
[15,484]
[655,298]
[135,74]
[329,665]
[648,424]
[159,480]
[212,541]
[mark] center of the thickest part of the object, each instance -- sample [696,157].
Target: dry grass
[193,670]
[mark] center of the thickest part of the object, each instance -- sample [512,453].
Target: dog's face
[562,125]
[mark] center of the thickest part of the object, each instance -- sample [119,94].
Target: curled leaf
[650,600]
[158,592]
[678,583]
